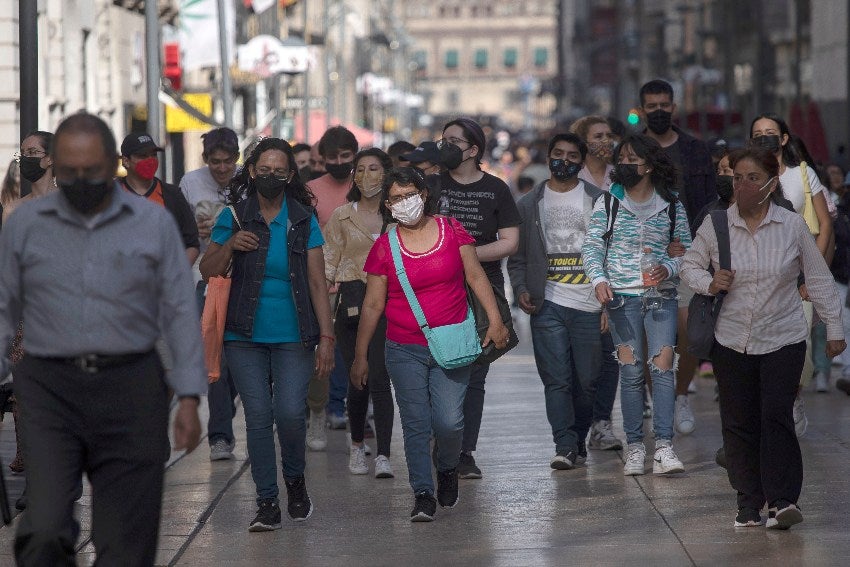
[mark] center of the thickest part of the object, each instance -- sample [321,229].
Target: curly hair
[583,124]
[242,186]
[386,162]
[664,174]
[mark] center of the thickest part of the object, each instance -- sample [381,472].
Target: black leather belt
[93,363]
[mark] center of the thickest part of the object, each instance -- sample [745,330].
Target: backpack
[611,209]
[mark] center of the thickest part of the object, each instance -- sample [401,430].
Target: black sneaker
[424,508]
[563,460]
[466,467]
[447,488]
[268,517]
[782,515]
[843,384]
[299,506]
[581,454]
[747,518]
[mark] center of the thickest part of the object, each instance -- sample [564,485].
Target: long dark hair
[789,156]
[405,177]
[664,174]
[767,161]
[242,186]
[386,162]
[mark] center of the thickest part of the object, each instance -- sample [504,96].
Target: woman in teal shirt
[278,323]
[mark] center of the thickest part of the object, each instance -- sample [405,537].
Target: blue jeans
[221,394]
[630,322]
[272,380]
[338,385]
[609,377]
[568,353]
[430,398]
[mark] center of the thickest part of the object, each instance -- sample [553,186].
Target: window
[480,58]
[510,57]
[451,59]
[541,56]
[420,58]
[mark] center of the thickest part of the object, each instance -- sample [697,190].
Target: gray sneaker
[221,450]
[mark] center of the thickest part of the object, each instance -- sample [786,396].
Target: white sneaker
[683,417]
[665,460]
[801,422]
[221,450]
[357,460]
[383,468]
[317,435]
[366,446]
[822,382]
[692,387]
[602,437]
[635,458]
[337,421]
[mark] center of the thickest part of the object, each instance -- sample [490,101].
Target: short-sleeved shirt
[330,194]
[437,279]
[793,188]
[275,320]
[482,207]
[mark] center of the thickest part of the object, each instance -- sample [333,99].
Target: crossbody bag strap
[721,230]
[807,187]
[395,248]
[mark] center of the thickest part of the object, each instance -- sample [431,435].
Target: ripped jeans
[630,322]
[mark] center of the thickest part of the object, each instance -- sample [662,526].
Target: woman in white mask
[438,257]
[349,235]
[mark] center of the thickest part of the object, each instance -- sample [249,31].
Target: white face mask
[408,211]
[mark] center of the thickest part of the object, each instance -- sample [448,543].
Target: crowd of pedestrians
[342,265]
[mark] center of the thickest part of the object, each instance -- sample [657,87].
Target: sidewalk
[521,512]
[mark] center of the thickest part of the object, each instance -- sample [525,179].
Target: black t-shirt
[482,207]
[674,152]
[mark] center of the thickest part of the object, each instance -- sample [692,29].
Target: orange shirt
[329,194]
[153,195]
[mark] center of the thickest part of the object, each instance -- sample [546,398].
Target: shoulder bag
[215,315]
[452,346]
[808,212]
[491,353]
[703,310]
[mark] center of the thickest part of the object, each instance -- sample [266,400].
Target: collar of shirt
[60,207]
[735,218]
[282,217]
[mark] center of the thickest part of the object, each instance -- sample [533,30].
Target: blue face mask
[562,170]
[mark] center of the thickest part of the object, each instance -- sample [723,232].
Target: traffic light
[634,117]
[172,70]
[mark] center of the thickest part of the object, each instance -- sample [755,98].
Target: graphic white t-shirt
[565,225]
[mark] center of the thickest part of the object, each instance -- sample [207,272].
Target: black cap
[426,151]
[138,142]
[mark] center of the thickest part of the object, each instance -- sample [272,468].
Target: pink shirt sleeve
[379,262]
[463,237]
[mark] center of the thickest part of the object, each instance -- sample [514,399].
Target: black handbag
[490,353]
[349,300]
[703,310]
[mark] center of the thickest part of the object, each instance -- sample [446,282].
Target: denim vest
[249,270]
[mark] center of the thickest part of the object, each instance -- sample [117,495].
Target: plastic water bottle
[652,299]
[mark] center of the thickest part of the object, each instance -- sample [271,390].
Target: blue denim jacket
[249,269]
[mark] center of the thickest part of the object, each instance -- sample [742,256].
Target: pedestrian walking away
[277,314]
[93,271]
[760,335]
[437,257]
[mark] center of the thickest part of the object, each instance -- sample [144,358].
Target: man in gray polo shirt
[98,275]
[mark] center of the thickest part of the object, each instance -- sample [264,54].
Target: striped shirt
[762,311]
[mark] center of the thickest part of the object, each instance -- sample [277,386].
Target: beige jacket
[347,243]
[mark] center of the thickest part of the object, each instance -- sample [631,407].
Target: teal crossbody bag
[452,346]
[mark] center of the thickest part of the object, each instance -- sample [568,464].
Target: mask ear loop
[769,193]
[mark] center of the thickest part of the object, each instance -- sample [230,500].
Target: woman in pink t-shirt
[438,257]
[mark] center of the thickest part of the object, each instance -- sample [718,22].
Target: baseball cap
[137,142]
[426,151]
[221,138]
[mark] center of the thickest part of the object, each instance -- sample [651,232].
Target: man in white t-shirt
[550,284]
[204,189]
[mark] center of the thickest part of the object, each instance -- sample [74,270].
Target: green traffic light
[633,118]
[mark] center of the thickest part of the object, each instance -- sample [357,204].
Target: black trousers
[757,394]
[377,385]
[112,425]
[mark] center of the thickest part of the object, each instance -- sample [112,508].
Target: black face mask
[562,170]
[627,174]
[451,156]
[85,195]
[340,171]
[659,121]
[770,143]
[724,187]
[270,186]
[31,169]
